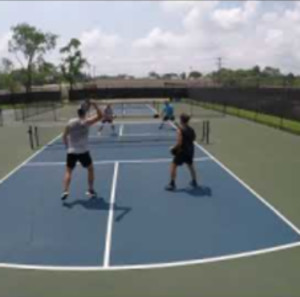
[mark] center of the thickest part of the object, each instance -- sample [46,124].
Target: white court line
[134,161]
[28,159]
[154,265]
[159,265]
[107,250]
[252,191]
[121,130]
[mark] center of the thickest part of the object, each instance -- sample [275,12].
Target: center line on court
[121,130]
[106,259]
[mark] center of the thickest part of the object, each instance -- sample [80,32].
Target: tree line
[29,45]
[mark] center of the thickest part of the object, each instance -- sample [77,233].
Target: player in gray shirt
[75,138]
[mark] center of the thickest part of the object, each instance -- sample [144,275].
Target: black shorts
[84,159]
[183,158]
[168,118]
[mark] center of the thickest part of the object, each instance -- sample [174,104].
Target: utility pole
[219,66]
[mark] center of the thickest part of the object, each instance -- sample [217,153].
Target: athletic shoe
[91,193]
[170,187]
[194,184]
[64,195]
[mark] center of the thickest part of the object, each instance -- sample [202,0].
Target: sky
[136,37]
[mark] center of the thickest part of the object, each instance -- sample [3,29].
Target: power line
[219,67]
[219,63]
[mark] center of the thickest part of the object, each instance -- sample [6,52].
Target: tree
[7,65]
[32,44]
[46,72]
[255,70]
[183,75]
[270,71]
[195,74]
[170,75]
[72,62]
[154,75]
[290,79]
[7,78]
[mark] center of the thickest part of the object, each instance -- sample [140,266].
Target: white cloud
[246,34]
[158,40]
[96,39]
[99,47]
[4,43]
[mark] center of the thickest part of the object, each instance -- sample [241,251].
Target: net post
[30,134]
[207,132]
[36,136]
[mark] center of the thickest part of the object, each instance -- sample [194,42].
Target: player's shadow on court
[201,191]
[99,203]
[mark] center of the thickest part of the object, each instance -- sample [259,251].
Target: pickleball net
[42,135]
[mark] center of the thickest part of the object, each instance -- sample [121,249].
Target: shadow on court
[201,191]
[99,204]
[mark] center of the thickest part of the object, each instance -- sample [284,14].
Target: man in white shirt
[75,138]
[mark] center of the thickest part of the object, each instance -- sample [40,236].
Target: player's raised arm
[95,118]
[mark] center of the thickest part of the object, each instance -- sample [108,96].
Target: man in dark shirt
[183,152]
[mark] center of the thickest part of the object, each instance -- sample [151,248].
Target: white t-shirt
[78,136]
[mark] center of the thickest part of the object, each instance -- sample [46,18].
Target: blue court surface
[133,221]
[132,109]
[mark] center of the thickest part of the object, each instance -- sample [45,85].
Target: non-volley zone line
[103,162]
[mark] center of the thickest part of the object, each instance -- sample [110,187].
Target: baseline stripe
[154,265]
